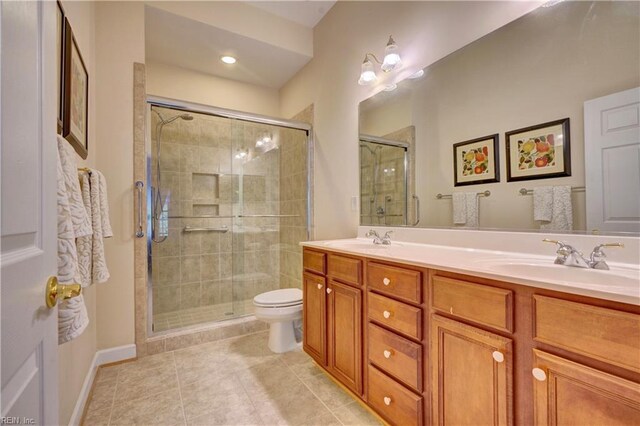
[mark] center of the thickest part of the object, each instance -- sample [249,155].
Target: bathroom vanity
[422,340]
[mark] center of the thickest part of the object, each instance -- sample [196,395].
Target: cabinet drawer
[400,283]
[314,261]
[399,316]
[345,269]
[393,401]
[485,305]
[600,333]
[399,357]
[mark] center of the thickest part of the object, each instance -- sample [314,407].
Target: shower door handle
[415,197]
[140,187]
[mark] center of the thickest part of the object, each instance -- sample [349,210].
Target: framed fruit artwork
[539,152]
[476,161]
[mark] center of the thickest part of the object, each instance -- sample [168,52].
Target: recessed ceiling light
[228,59]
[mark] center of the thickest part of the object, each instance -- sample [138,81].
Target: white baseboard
[105,356]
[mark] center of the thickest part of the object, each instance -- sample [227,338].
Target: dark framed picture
[59,61]
[476,161]
[539,152]
[75,117]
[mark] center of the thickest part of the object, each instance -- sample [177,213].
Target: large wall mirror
[536,120]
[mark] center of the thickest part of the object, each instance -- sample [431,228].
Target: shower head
[186,117]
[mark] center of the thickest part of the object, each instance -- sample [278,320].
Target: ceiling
[307,13]
[173,37]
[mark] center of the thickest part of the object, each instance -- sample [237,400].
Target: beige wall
[119,43]
[187,85]
[426,31]
[75,357]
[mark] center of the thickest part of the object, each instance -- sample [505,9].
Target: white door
[28,213]
[612,161]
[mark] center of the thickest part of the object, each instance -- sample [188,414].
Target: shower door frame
[388,142]
[194,107]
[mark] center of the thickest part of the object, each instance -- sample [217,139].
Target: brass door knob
[56,291]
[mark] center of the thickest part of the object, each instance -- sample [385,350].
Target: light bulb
[392,59]
[417,74]
[368,75]
[390,87]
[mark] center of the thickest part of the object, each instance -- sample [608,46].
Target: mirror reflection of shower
[159,208]
[383,181]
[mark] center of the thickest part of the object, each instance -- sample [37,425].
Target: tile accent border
[139,173]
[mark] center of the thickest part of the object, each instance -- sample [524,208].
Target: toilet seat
[282,298]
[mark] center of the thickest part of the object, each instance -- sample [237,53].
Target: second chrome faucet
[386,240]
[569,256]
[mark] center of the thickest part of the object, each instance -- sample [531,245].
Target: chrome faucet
[569,256]
[386,240]
[596,259]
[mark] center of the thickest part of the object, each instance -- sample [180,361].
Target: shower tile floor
[201,314]
[236,381]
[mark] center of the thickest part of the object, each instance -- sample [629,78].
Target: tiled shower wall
[294,200]
[202,176]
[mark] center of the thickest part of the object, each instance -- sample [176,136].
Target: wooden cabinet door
[568,393]
[314,317]
[471,375]
[345,334]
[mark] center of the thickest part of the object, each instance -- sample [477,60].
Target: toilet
[282,309]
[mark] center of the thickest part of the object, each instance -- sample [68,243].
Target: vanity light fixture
[390,62]
[228,59]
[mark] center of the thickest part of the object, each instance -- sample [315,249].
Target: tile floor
[201,314]
[236,381]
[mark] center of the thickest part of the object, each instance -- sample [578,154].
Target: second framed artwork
[539,152]
[476,161]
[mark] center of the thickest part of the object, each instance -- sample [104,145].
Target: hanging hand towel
[459,208]
[465,209]
[471,199]
[72,223]
[543,203]
[92,261]
[562,216]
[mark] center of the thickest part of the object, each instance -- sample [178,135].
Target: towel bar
[192,229]
[525,191]
[486,193]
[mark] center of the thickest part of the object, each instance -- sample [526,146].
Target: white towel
[459,208]
[465,209]
[92,261]
[562,211]
[73,223]
[543,203]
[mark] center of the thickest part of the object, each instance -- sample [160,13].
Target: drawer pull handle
[539,374]
[386,314]
[451,310]
[387,353]
[387,400]
[319,286]
[386,281]
[498,356]
[328,290]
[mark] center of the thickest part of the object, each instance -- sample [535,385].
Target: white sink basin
[616,278]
